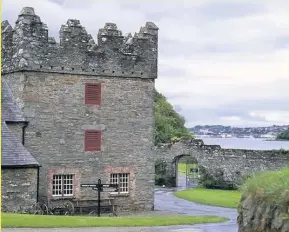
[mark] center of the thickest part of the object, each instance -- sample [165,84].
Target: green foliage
[161,177]
[169,125]
[161,180]
[182,167]
[284,135]
[270,186]
[214,180]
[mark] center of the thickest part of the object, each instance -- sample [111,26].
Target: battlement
[27,47]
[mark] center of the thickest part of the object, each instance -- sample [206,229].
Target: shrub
[271,186]
[215,180]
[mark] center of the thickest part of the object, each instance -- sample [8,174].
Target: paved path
[166,201]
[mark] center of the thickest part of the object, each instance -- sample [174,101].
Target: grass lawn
[44,221]
[182,167]
[223,198]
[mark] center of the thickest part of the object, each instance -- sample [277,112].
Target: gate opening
[187,172]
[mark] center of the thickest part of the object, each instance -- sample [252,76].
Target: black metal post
[37,193]
[98,191]
[186,173]
[23,133]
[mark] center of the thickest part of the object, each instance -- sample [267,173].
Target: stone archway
[188,175]
[167,173]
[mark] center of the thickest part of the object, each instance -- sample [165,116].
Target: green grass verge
[182,167]
[223,198]
[270,186]
[44,221]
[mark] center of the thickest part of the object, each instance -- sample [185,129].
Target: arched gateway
[185,171]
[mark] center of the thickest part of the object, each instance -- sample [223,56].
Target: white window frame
[63,185]
[121,179]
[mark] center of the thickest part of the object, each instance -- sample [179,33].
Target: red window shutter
[92,94]
[92,140]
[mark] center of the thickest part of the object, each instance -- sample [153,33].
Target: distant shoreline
[247,143]
[211,137]
[264,139]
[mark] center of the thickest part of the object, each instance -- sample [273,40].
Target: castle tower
[89,106]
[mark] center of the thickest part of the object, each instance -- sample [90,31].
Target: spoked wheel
[46,210]
[112,215]
[37,209]
[67,213]
[70,207]
[92,213]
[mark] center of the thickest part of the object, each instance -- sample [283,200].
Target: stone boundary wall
[258,216]
[235,163]
[27,47]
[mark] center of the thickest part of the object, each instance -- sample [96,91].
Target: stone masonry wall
[256,215]
[19,188]
[16,129]
[235,163]
[54,106]
[48,78]
[28,47]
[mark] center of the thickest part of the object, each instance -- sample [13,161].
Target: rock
[256,215]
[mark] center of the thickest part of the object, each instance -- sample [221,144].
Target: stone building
[89,107]
[18,168]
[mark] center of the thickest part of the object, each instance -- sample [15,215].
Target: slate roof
[14,154]
[10,110]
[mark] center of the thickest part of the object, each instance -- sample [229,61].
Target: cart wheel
[70,207]
[45,209]
[92,213]
[38,213]
[67,213]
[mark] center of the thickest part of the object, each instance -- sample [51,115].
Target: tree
[169,125]
[284,135]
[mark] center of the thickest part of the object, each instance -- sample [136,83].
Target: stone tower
[89,106]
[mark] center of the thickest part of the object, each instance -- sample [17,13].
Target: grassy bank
[270,186]
[223,198]
[44,221]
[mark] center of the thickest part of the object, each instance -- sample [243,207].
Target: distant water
[247,143]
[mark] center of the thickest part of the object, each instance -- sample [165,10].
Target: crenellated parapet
[27,46]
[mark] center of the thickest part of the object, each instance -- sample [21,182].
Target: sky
[220,61]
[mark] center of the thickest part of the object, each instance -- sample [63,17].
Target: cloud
[220,62]
[229,9]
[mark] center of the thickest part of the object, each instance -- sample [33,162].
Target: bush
[215,180]
[161,180]
[270,186]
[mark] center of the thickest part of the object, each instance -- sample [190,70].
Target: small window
[62,185]
[93,94]
[122,179]
[92,140]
